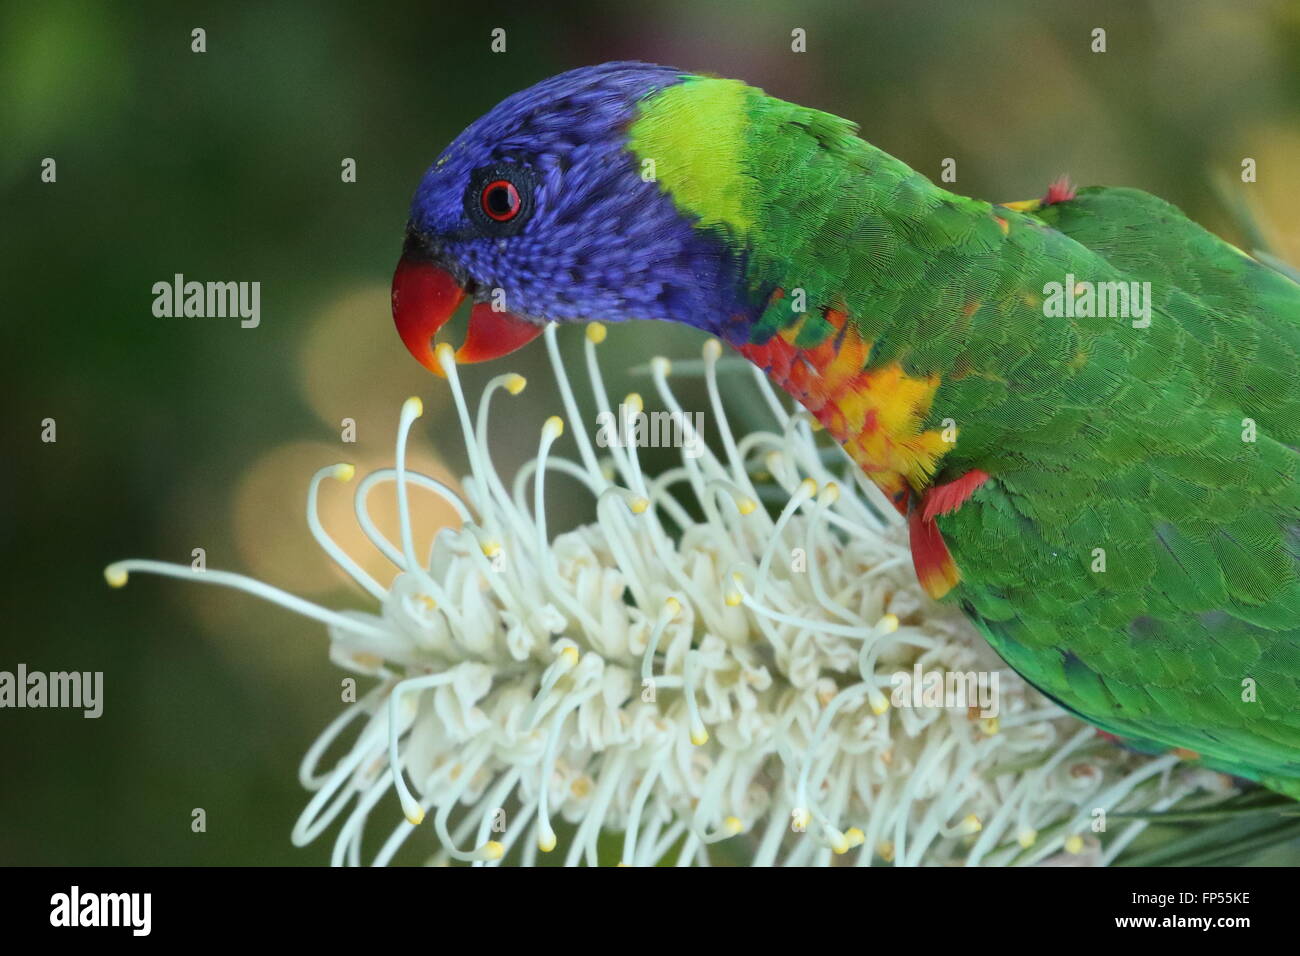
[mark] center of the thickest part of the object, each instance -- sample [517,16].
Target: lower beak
[425,297]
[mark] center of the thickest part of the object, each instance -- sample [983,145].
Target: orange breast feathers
[875,413]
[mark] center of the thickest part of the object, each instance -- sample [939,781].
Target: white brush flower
[681,680]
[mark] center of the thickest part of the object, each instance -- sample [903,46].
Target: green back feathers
[1153,496]
[1247,314]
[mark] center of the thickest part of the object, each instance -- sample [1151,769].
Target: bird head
[540,212]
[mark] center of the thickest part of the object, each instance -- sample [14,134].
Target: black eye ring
[500,198]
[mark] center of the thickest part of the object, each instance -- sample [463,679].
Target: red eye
[500,200]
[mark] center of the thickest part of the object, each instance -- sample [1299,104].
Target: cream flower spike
[727,688]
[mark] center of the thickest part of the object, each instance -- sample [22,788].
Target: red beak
[424,298]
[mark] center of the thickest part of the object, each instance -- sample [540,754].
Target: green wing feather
[1099,435]
[1191,637]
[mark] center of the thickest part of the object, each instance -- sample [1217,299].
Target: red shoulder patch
[1060,191]
[947,498]
[935,568]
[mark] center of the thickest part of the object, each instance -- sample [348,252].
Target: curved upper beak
[425,296]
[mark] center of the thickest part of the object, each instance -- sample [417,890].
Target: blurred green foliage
[225,165]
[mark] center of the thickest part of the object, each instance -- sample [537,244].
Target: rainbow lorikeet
[1112,499]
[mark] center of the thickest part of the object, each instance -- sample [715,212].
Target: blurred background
[175,434]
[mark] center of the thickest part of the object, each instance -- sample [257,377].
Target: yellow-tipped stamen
[412,409]
[118,571]
[460,777]
[731,824]
[596,333]
[566,659]
[625,547]
[636,504]
[699,736]
[411,808]
[671,608]
[617,454]
[569,705]
[806,491]
[745,504]
[515,383]
[839,843]
[820,730]
[712,352]
[446,357]
[341,472]
[872,647]
[545,556]
[545,839]
[632,406]
[590,465]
